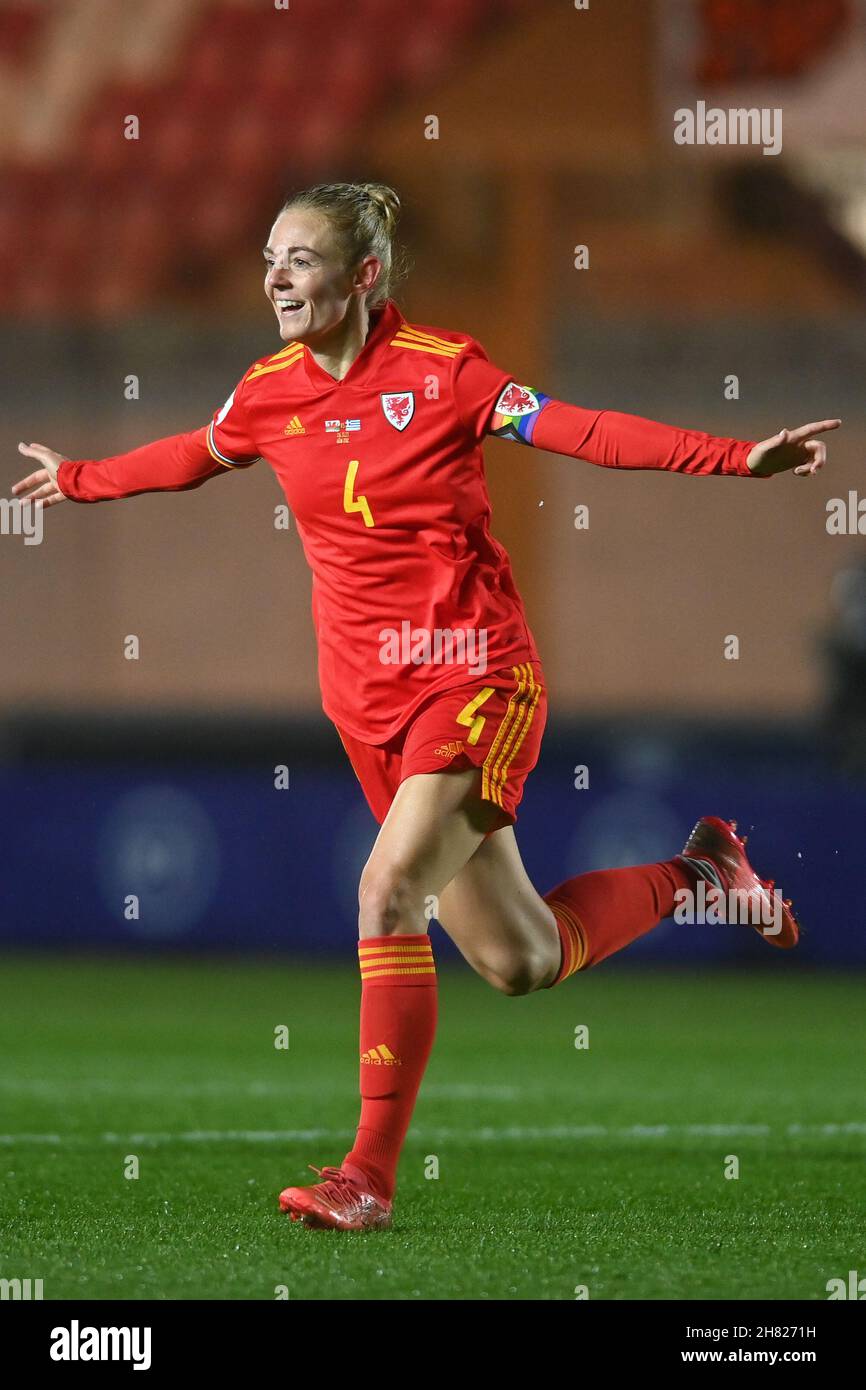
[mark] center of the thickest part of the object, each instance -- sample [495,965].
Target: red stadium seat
[239,110]
[20,26]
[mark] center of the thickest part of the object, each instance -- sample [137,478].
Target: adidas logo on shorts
[449,750]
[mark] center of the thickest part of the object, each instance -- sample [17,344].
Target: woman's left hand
[792,449]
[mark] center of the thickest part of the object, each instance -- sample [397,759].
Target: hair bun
[386,201]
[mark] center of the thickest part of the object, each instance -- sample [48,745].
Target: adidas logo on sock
[381,1056]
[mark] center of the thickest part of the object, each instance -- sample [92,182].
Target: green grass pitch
[558,1167]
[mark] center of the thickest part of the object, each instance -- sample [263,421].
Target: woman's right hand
[41,486]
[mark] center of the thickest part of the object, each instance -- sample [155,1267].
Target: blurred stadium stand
[142,257]
[133,216]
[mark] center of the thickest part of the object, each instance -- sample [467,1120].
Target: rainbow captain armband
[222,458]
[213,448]
[516,413]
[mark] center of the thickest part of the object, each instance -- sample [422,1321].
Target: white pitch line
[489,1134]
[97,1086]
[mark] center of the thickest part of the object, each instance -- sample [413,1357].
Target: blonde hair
[363,218]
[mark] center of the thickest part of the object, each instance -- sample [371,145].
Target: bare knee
[390,900]
[517,972]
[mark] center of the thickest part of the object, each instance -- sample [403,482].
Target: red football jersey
[384,474]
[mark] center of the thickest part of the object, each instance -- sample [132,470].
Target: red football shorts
[494,723]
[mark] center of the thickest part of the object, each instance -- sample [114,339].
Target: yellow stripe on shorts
[510,734]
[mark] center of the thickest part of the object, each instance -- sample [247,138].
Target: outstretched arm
[614,440]
[174,464]
[488,402]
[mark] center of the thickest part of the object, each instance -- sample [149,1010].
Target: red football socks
[599,913]
[596,914]
[398,1024]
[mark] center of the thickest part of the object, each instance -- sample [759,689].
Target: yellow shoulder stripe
[414,346]
[410,330]
[278,363]
[416,341]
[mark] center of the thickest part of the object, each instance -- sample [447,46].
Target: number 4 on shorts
[470,719]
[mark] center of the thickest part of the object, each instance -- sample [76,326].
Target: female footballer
[374,427]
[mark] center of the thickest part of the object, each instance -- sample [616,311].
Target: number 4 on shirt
[351,503]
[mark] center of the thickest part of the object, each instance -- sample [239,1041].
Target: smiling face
[307,282]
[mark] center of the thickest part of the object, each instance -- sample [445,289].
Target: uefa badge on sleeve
[398,407]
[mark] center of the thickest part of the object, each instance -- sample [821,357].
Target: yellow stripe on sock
[406,958]
[395,957]
[405,970]
[575,934]
[411,947]
[395,952]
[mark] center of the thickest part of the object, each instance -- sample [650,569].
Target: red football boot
[342,1202]
[719,856]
